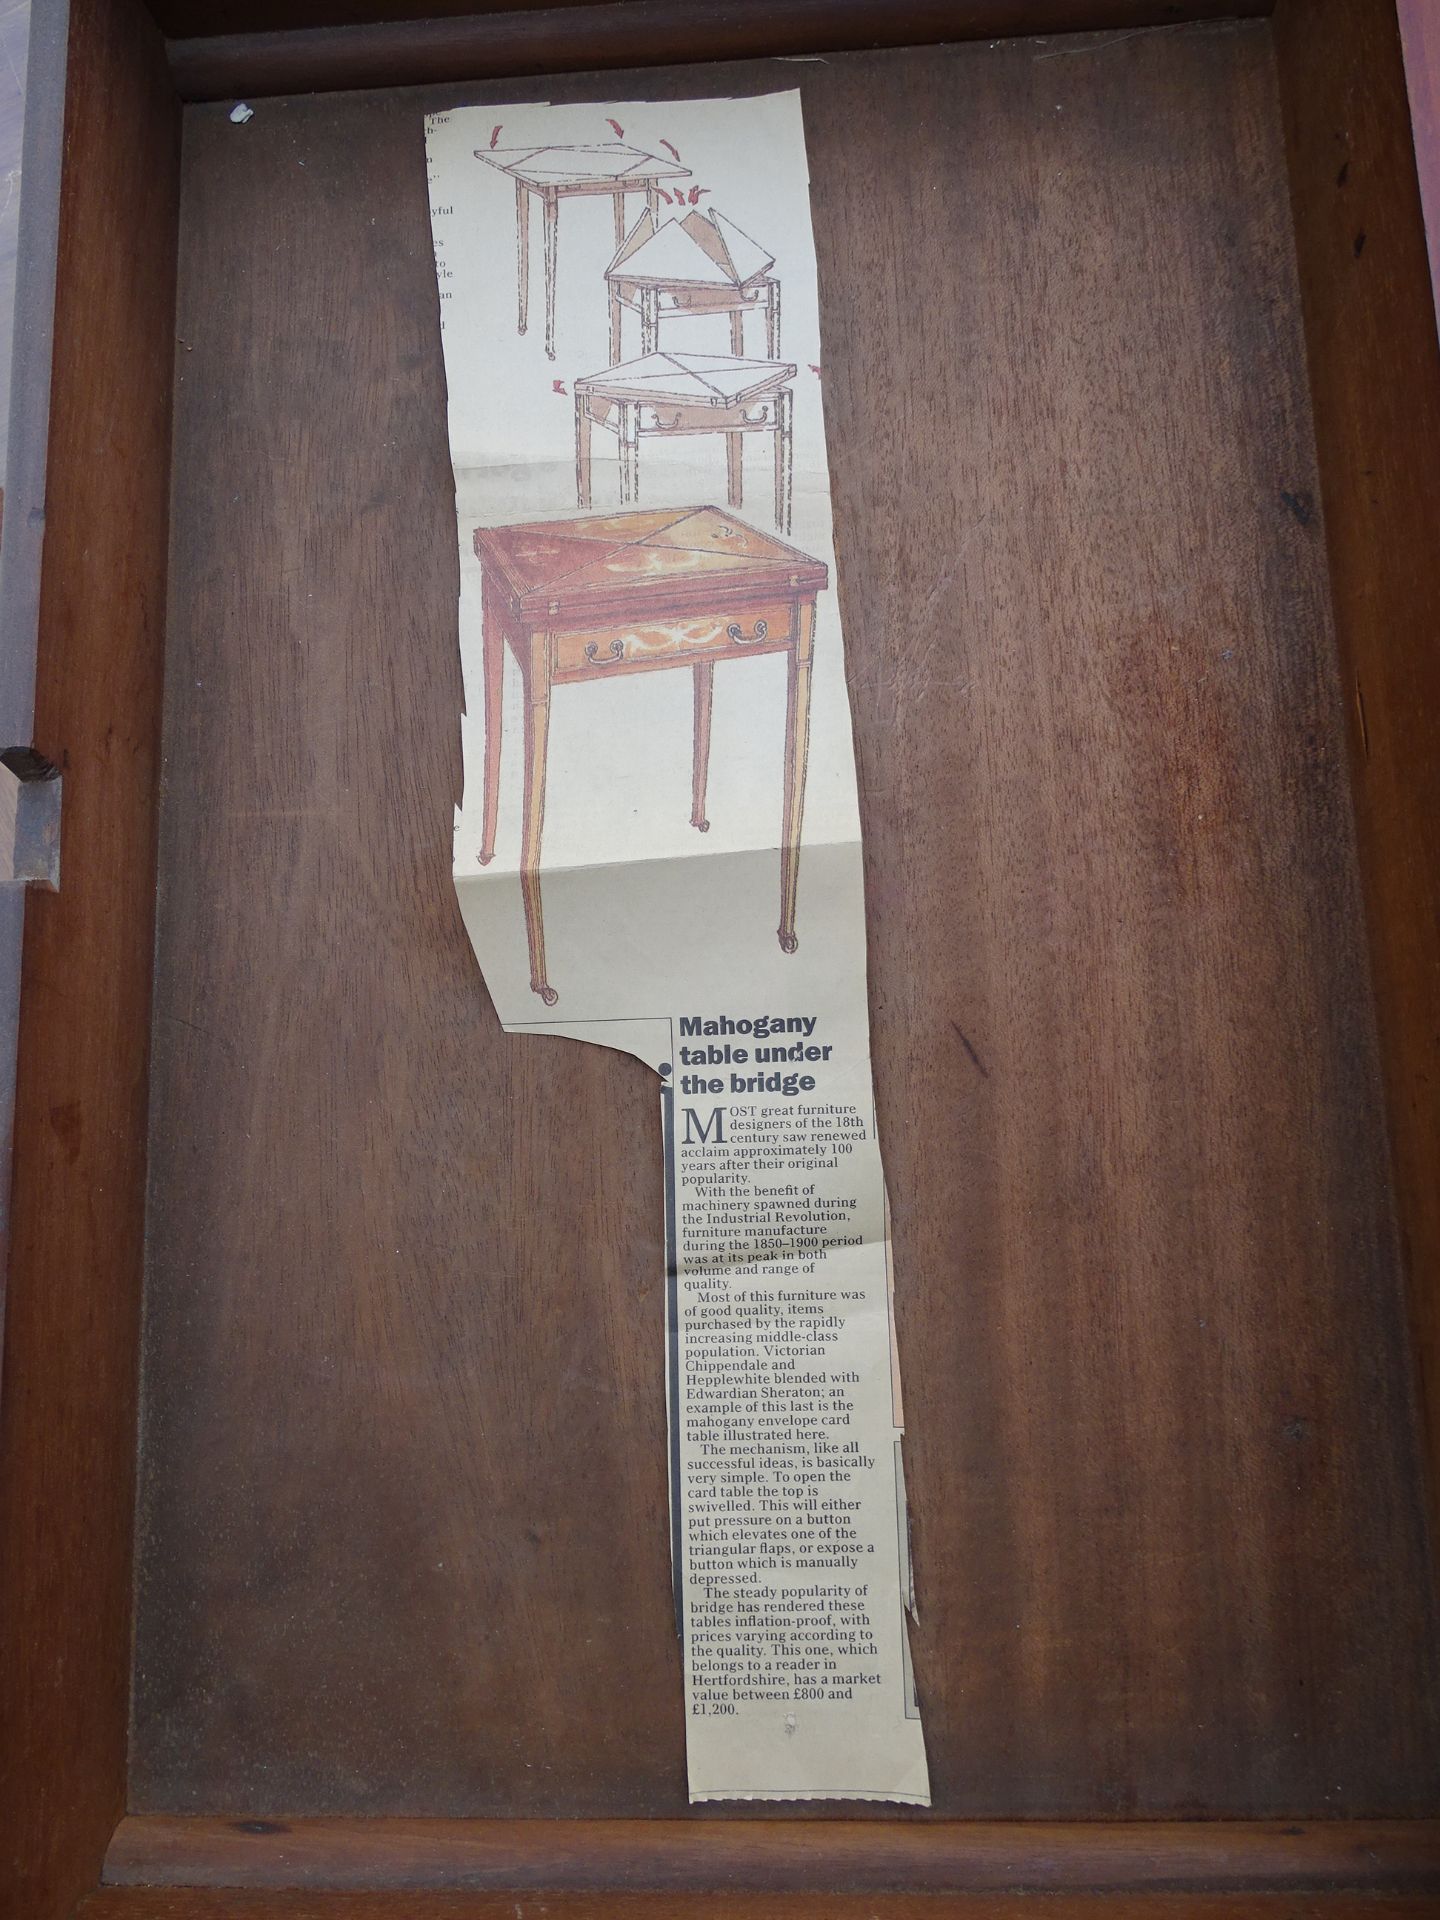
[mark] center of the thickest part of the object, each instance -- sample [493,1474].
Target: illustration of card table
[601,597]
[702,263]
[554,174]
[667,395]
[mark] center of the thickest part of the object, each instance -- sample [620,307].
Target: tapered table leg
[649,320]
[735,469]
[797,750]
[629,452]
[493,654]
[582,450]
[537,740]
[614,328]
[772,320]
[704,672]
[784,456]
[734,446]
[522,252]
[552,209]
[617,200]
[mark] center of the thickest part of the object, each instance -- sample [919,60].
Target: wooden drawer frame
[81,593]
[571,660]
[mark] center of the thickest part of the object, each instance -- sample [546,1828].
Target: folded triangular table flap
[642,232]
[626,566]
[506,157]
[632,525]
[536,558]
[540,560]
[597,160]
[536,555]
[747,257]
[704,231]
[707,530]
[675,255]
[706,377]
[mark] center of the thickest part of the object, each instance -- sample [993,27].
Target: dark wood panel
[404,1402]
[136,1903]
[971,18]
[638,33]
[67,1415]
[789,1856]
[1375,368]
[206,18]
[402,1517]
[1420,38]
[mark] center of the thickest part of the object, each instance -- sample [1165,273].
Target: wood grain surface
[205,18]
[779,1856]
[185,1903]
[402,1535]
[1420,38]
[1375,365]
[209,18]
[68,1406]
[400,50]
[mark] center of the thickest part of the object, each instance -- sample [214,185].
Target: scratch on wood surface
[1101,46]
[1138,33]
[964,1040]
[956,558]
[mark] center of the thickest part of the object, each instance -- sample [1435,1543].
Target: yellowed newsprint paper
[659,850]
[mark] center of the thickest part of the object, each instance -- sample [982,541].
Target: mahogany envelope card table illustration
[615,594]
[335,1546]
[553,174]
[701,263]
[671,395]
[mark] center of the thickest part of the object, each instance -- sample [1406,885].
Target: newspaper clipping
[659,850]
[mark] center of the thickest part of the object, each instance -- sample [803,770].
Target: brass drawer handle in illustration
[615,651]
[735,632]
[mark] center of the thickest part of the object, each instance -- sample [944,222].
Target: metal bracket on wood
[29,818]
